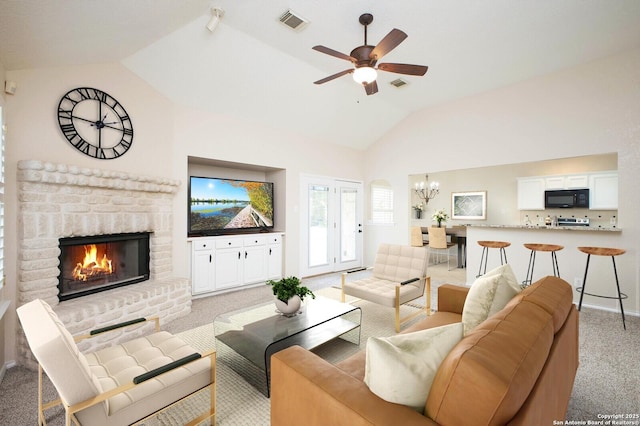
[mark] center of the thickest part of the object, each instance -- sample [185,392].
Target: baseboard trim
[615,310]
[4,368]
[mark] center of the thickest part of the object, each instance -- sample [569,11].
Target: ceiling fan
[365,58]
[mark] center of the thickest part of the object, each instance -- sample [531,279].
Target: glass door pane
[348,224]
[318,247]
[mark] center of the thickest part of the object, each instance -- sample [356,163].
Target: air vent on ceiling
[293,20]
[398,82]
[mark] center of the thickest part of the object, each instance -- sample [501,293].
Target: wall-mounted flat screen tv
[223,206]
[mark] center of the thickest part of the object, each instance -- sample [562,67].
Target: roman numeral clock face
[95,123]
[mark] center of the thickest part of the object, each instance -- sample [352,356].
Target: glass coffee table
[258,332]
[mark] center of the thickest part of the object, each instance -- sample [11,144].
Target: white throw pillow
[488,295]
[401,368]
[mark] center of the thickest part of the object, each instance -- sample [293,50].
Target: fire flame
[90,265]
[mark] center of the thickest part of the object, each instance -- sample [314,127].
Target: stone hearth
[57,201]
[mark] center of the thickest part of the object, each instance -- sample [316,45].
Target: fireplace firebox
[92,264]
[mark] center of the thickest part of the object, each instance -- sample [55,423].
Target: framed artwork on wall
[469,205]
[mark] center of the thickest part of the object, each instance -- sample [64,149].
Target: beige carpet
[607,381]
[240,386]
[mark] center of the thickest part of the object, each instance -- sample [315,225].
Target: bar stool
[602,251]
[553,248]
[486,245]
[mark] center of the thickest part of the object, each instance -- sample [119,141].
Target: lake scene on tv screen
[222,204]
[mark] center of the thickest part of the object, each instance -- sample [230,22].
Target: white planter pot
[290,308]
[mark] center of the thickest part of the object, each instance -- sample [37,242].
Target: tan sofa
[517,367]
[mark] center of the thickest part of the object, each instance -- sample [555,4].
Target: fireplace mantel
[65,175]
[60,201]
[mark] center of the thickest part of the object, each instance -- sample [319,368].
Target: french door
[331,218]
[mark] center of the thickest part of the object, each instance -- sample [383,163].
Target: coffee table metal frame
[319,321]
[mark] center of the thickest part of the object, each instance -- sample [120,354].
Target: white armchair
[399,276]
[118,385]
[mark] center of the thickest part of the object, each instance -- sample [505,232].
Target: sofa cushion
[401,368]
[355,364]
[553,294]
[487,377]
[488,295]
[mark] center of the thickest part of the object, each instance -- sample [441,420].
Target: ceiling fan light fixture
[365,75]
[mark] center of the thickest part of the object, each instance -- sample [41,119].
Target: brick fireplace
[58,201]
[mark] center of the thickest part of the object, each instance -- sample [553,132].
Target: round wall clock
[95,123]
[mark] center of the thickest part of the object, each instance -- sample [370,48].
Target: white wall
[201,134]
[586,110]
[165,134]
[3,293]
[590,109]
[500,184]
[2,78]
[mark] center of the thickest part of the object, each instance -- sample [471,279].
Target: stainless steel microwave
[566,198]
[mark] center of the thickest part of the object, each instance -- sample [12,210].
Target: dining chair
[438,244]
[416,237]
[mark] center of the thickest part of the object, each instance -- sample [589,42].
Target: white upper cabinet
[603,191]
[531,193]
[554,182]
[577,181]
[566,182]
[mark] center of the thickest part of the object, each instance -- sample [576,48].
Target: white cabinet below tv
[231,261]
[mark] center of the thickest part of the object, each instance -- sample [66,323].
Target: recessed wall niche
[207,167]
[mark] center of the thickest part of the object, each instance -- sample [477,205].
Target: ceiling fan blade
[371,88]
[404,68]
[334,76]
[388,43]
[335,53]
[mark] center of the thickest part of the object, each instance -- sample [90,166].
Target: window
[381,203]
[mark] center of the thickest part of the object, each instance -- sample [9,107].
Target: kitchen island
[571,261]
[552,228]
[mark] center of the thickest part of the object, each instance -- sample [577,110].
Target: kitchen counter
[570,260]
[551,228]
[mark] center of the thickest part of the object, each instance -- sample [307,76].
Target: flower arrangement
[440,216]
[418,207]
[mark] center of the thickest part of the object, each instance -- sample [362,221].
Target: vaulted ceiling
[252,66]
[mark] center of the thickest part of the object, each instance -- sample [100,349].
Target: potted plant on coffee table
[289,293]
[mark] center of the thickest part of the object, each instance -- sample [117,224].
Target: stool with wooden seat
[553,248]
[486,245]
[603,251]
